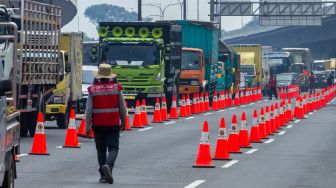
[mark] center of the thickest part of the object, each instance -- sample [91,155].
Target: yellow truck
[69,90]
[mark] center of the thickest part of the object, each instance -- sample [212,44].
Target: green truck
[228,68]
[203,36]
[146,56]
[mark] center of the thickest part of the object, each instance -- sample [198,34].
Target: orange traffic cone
[173,109]
[237,99]
[233,141]
[39,146]
[82,129]
[289,110]
[202,103]
[198,106]
[137,122]
[164,112]
[127,120]
[255,135]
[144,117]
[222,150]
[16,158]
[91,133]
[244,140]
[188,106]
[273,119]
[268,121]
[230,98]
[206,102]
[215,102]
[183,107]
[301,110]
[203,159]
[281,115]
[221,100]
[296,108]
[157,112]
[262,125]
[71,138]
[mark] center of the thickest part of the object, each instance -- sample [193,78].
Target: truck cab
[192,71]
[250,73]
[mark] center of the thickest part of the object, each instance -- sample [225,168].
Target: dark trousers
[107,145]
[272,91]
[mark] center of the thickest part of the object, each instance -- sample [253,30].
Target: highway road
[162,155]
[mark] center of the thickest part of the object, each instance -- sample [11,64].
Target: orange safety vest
[105,99]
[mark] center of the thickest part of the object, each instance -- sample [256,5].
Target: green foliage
[111,13]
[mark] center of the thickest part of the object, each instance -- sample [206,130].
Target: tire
[32,122]
[62,120]
[8,181]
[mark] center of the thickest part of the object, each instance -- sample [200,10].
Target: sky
[173,12]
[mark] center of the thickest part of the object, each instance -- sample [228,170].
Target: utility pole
[212,9]
[184,9]
[139,10]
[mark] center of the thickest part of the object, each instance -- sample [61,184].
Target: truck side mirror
[5,86]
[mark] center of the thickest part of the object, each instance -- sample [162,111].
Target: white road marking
[145,129]
[310,113]
[59,147]
[282,133]
[209,113]
[195,184]
[172,122]
[269,141]
[251,151]
[221,110]
[242,106]
[289,126]
[190,118]
[232,108]
[251,103]
[259,101]
[265,100]
[297,121]
[22,155]
[305,116]
[227,165]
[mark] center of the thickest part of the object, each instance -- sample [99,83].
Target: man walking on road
[272,87]
[105,113]
[311,80]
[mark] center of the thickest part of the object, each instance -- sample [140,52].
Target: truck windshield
[284,77]
[191,60]
[87,77]
[297,68]
[130,54]
[319,66]
[247,69]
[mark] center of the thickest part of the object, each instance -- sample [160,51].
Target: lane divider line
[297,121]
[195,184]
[232,108]
[172,122]
[282,133]
[221,110]
[269,141]
[22,155]
[289,126]
[145,129]
[242,106]
[229,164]
[59,147]
[189,118]
[310,113]
[251,151]
[305,116]
[251,104]
[209,113]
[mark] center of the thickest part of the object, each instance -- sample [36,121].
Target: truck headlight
[158,77]
[194,83]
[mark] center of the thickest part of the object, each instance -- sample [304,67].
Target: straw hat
[104,71]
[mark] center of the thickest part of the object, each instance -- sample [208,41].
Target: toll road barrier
[39,146]
[71,138]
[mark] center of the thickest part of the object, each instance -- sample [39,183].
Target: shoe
[102,179]
[107,173]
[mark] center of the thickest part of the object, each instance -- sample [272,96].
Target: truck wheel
[8,181]
[62,121]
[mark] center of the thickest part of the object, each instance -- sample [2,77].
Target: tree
[87,38]
[110,13]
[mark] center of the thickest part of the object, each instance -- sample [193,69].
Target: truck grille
[186,81]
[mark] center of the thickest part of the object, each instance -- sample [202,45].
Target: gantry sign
[277,12]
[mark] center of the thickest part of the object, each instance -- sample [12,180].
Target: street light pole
[164,9]
[155,5]
[181,5]
[184,9]
[139,10]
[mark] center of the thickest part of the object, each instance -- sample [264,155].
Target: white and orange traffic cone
[39,146]
[71,138]
[244,139]
[233,141]
[204,159]
[222,150]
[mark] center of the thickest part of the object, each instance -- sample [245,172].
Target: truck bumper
[81,105]
[189,89]
[54,109]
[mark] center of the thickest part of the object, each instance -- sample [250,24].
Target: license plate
[129,97]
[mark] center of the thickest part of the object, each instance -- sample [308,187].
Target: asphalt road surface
[301,155]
